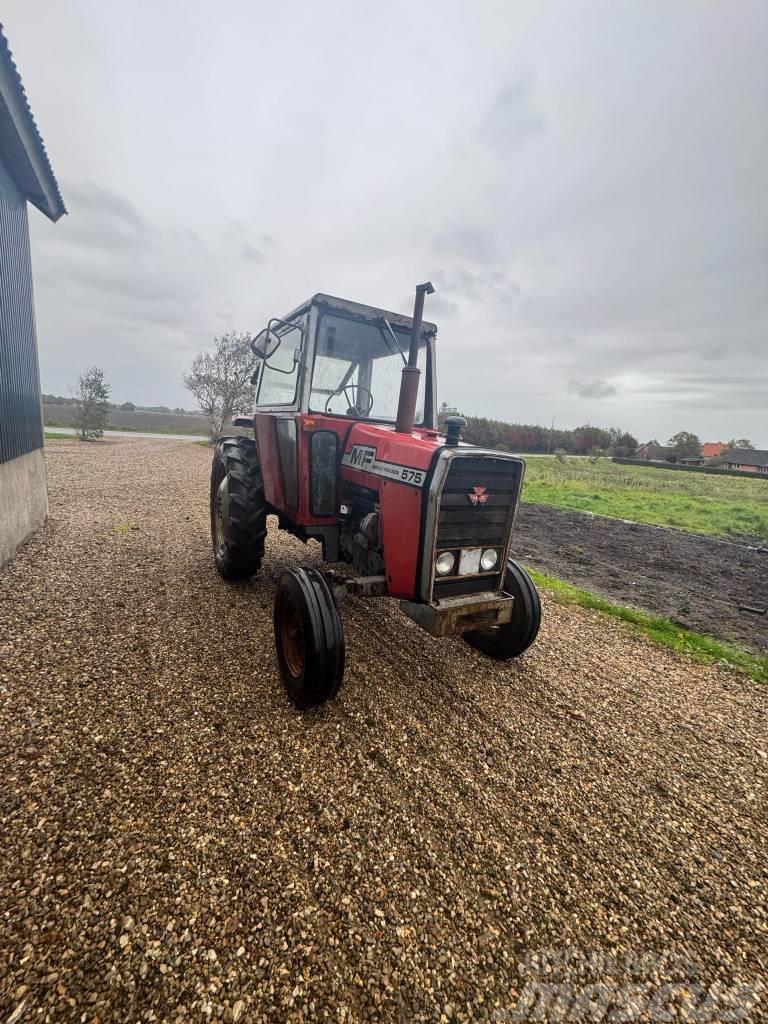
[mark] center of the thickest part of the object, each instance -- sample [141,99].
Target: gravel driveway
[450,839]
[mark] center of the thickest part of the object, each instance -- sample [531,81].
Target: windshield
[358,369]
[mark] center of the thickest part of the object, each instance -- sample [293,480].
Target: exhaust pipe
[409,384]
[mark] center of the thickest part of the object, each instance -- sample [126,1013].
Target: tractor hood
[377,451]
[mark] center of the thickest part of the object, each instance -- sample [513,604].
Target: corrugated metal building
[25,177]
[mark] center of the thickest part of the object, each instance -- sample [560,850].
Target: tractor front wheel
[238,508]
[309,637]
[517,635]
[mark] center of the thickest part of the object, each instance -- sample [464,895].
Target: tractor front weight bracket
[455,615]
[359,586]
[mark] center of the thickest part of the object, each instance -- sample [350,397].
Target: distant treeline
[124,406]
[535,439]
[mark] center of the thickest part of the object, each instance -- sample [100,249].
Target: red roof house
[711,449]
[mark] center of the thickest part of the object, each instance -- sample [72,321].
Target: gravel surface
[445,841]
[702,583]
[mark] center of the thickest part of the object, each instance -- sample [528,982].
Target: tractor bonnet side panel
[396,466]
[401,535]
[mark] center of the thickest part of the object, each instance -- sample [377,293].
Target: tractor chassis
[449,617]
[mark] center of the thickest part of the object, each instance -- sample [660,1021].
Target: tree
[91,395]
[591,440]
[685,444]
[623,444]
[128,407]
[221,380]
[742,442]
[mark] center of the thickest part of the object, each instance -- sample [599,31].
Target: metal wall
[21,422]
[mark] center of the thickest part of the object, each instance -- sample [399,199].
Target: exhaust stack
[409,385]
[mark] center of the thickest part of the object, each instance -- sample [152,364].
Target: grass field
[139,420]
[719,506]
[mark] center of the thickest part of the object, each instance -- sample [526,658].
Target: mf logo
[362,456]
[479,496]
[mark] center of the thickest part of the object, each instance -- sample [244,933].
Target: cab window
[358,368]
[279,377]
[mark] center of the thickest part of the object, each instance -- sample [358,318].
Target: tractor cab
[324,367]
[337,358]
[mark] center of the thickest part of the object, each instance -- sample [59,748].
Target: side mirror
[265,344]
[255,375]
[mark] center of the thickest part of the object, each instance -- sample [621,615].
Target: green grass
[697,646]
[701,503]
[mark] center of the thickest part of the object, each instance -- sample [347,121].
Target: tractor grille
[461,524]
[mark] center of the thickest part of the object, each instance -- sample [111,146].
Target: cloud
[494,286]
[512,119]
[252,254]
[470,243]
[596,388]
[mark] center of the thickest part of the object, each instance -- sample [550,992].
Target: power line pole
[549,442]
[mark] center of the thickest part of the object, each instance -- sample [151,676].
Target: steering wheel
[352,393]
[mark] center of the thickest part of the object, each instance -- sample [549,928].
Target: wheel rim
[292,638]
[221,518]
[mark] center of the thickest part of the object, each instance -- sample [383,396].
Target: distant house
[712,449]
[691,460]
[652,451]
[747,460]
[25,177]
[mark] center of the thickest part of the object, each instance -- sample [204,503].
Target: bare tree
[91,394]
[221,380]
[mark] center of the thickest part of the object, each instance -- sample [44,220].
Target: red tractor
[347,452]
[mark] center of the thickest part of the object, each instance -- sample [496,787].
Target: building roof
[711,449]
[21,146]
[656,450]
[746,457]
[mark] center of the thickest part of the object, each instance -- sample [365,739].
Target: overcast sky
[585,183]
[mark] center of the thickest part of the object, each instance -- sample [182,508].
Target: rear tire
[309,637]
[238,508]
[517,635]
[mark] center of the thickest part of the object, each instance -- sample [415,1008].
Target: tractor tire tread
[237,457]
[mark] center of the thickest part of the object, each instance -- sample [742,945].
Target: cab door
[276,418]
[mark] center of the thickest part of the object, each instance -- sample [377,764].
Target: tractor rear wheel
[517,635]
[309,637]
[238,508]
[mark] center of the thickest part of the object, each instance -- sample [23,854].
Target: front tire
[516,636]
[309,637]
[238,508]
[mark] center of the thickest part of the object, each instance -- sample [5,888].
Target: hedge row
[691,469]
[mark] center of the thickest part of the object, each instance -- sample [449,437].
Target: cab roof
[359,310]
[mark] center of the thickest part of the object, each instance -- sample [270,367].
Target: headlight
[444,563]
[488,559]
